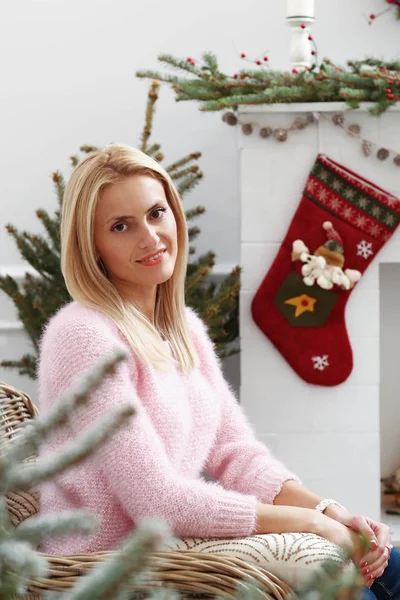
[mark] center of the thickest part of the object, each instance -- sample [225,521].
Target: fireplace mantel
[329,436]
[311,107]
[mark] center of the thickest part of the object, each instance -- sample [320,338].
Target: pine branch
[153,149]
[59,185]
[193,280]
[152,99]
[179,174]
[70,455]
[39,526]
[194,212]
[52,226]
[122,568]
[215,90]
[37,431]
[27,365]
[193,232]
[189,183]
[183,161]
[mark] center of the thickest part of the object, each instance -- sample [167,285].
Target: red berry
[259,62]
[189,60]
[294,70]
[313,52]
[310,37]
[390,82]
[243,55]
[390,96]
[302,26]
[372,16]
[388,91]
[265,57]
[390,1]
[235,76]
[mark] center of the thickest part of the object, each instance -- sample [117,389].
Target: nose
[149,237]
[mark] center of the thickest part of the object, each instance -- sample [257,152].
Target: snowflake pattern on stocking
[364,249]
[320,362]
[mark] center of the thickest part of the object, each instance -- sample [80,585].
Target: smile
[154,259]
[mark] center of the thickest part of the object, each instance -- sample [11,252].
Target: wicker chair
[192,573]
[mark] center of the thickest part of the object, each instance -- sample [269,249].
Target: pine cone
[299,123]
[382,153]
[366,147]
[266,132]
[230,118]
[338,118]
[354,128]
[281,134]
[247,129]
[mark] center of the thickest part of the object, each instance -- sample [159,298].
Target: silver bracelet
[323,505]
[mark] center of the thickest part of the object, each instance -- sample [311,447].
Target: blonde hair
[87,283]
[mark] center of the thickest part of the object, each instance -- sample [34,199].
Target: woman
[124,257]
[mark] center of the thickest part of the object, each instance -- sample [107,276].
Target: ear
[353,275]
[298,247]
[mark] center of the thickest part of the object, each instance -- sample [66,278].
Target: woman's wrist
[336,512]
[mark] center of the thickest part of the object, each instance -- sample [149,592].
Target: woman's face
[133,221]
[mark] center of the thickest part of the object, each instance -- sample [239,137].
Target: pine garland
[369,80]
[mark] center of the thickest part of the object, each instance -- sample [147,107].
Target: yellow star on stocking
[302,303]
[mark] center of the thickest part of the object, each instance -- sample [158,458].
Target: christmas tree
[41,295]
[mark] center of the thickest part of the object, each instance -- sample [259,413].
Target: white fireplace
[331,437]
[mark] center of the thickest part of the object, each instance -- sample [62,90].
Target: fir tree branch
[153,149]
[215,90]
[36,431]
[194,212]
[183,161]
[122,568]
[52,226]
[189,183]
[152,97]
[184,172]
[70,455]
[38,527]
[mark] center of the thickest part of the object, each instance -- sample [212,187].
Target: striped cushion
[293,557]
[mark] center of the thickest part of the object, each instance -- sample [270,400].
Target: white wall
[68,78]
[389,355]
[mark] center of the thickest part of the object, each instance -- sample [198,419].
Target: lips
[145,258]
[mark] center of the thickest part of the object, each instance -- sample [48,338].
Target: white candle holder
[300,46]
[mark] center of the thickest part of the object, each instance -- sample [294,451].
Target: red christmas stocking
[341,223]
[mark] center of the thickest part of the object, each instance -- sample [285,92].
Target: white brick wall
[329,436]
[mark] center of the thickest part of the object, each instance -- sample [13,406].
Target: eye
[159,210]
[118,225]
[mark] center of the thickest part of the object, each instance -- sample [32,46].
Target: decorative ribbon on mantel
[337,118]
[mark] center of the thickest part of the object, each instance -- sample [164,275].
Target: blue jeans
[386,587]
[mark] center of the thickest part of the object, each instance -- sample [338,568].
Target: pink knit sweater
[184,426]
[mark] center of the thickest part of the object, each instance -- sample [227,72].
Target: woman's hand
[349,540]
[375,560]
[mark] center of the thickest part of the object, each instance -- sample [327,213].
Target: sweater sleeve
[237,459]
[134,461]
